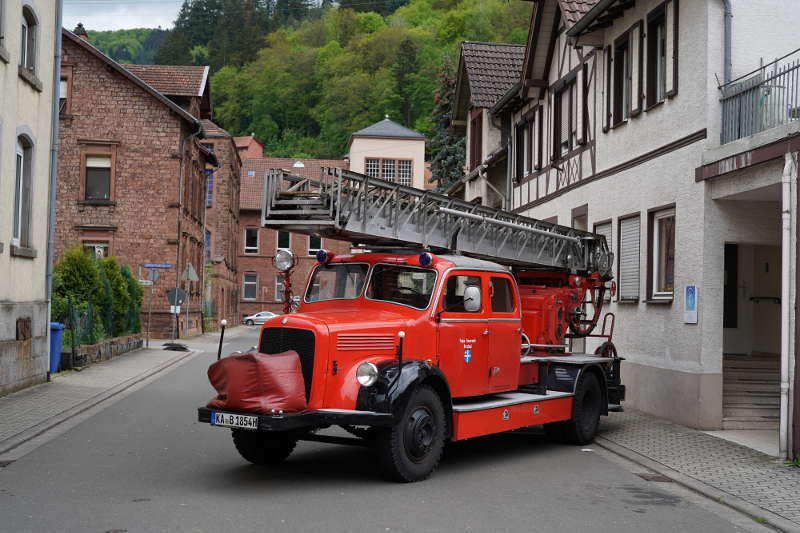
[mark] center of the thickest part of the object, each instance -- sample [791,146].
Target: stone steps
[751,393]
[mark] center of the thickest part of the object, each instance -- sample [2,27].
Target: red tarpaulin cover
[258,383]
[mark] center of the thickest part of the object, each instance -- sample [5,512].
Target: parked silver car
[259,318]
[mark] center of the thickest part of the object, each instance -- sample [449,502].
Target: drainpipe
[51,213]
[789,175]
[728,39]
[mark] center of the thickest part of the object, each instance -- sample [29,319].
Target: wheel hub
[419,433]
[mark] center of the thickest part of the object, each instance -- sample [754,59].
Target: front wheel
[249,323]
[262,448]
[586,409]
[411,449]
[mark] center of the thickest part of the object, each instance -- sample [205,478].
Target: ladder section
[377,213]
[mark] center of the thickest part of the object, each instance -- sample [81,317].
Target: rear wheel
[586,409]
[411,449]
[249,323]
[262,448]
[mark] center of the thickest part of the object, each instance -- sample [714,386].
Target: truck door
[463,343]
[504,333]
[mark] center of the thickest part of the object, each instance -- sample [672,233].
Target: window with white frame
[28,37]
[388,171]
[656,56]
[63,95]
[404,172]
[373,168]
[209,188]
[398,170]
[99,249]
[251,240]
[250,286]
[284,240]
[629,248]
[22,193]
[622,80]
[314,244]
[279,288]
[662,254]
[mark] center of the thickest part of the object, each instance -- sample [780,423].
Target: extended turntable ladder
[377,213]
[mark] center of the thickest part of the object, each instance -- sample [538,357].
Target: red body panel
[499,419]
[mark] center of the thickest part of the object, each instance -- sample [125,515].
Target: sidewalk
[745,479]
[35,410]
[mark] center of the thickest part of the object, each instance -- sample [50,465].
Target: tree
[404,71]
[120,297]
[448,150]
[175,50]
[133,321]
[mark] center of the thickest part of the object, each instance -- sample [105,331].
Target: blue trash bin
[56,335]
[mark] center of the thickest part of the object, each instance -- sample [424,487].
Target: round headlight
[367,374]
[284,260]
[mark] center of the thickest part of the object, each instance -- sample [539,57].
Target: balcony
[761,100]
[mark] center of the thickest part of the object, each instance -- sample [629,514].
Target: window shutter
[555,114]
[607,118]
[98,161]
[671,29]
[629,242]
[580,86]
[605,231]
[635,47]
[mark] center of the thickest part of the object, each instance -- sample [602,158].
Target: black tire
[249,323]
[586,409]
[261,448]
[411,449]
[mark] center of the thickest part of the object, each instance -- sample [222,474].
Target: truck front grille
[364,341]
[278,340]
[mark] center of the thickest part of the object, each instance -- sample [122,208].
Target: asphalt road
[145,464]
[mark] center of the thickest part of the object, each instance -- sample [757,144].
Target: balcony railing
[763,99]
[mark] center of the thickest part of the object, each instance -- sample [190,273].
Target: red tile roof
[253,171]
[574,10]
[172,80]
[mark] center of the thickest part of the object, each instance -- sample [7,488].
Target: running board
[507,411]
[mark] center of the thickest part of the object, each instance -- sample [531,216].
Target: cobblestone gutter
[747,474]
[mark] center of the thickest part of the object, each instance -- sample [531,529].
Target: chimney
[80,31]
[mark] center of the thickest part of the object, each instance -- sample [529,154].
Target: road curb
[42,427]
[759,514]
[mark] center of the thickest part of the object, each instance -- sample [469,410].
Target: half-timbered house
[628,119]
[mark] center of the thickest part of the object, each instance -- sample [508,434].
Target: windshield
[402,285]
[337,282]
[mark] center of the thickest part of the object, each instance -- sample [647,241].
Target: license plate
[231,420]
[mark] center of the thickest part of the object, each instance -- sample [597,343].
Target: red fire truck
[456,324]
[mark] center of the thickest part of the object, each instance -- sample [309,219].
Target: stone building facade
[260,284]
[222,235]
[26,122]
[131,179]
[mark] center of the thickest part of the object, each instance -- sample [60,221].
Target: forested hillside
[139,45]
[302,79]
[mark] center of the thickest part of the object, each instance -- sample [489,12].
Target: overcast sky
[120,14]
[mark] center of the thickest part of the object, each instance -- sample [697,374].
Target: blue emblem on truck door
[467,355]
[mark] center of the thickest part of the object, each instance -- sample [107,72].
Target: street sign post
[176,296]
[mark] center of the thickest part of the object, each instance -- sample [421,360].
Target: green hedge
[96,298]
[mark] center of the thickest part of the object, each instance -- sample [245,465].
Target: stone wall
[24,354]
[94,353]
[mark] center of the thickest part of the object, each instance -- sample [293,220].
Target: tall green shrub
[105,306]
[136,293]
[77,276]
[120,297]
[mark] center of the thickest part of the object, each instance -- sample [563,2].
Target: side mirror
[472,299]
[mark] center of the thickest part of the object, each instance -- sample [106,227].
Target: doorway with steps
[751,338]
